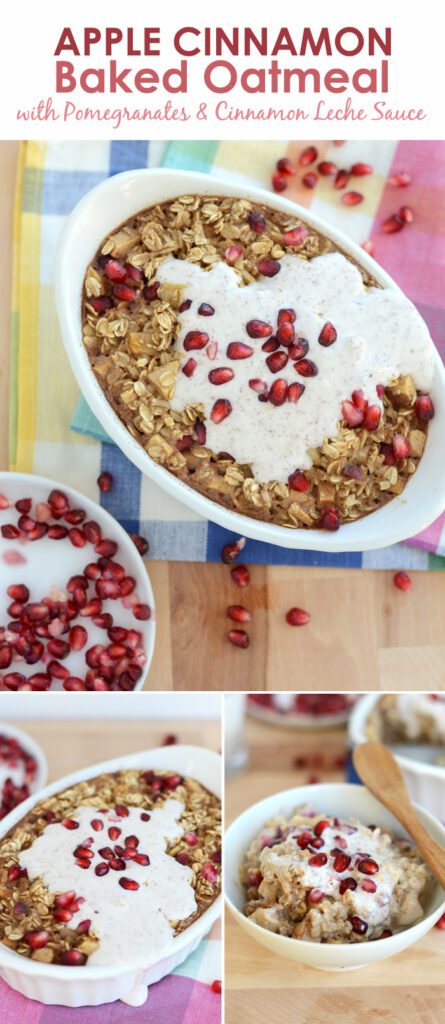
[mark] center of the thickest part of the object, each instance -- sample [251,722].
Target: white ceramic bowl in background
[120,197]
[51,563]
[344,801]
[34,750]
[92,986]
[425,782]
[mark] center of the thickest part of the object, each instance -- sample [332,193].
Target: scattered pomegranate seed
[424,409]
[297,617]
[4,503]
[341,179]
[295,237]
[240,575]
[257,385]
[295,391]
[308,156]
[129,884]
[189,367]
[18,592]
[279,182]
[358,925]
[271,345]
[221,375]
[298,481]
[105,482]
[439,924]
[195,340]
[140,543]
[309,180]
[341,862]
[326,168]
[142,612]
[360,170]
[352,198]
[306,368]
[400,180]
[401,446]
[238,637]
[327,335]
[221,409]
[150,292]
[233,253]
[256,222]
[115,271]
[277,361]
[238,350]
[72,958]
[347,883]
[351,414]
[330,519]
[286,333]
[36,940]
[123,293]
[372,417]
[407,215]
[268,268]
[259,329]
[318,860]
[205,309]
[230,552]
[367,866]
[10,532]
[393,224]
[169,740]
[402,580]
[278,391]
[183,858]
[368,886]
[238,613]
[216,987]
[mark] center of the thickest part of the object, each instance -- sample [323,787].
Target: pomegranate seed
[439,924]
[347,883]
[24,505]
[128,883]
[257,385]
[359,400]
[277,361]
[309,180]
[140,543]
[341,179]
[326,168]
[278,392]
[97,825]
[18,592]
[72,958]
[295,236]
[240,575]
[189,367]
[238,350]
[297,617]
[387,452]
[258,329]
[401,446]
[268,268]
[295,391]
[26,523]
[141,612]
[222,375]
[73,683]
[169,740]
[123,293]
[321,826]
[367,866]
[183,858]
[59,649]
[200,432]
[233,253]
[285,333]
[105,482]
[78,637]
[402,581]
[358,925]
[150,293]
[386,933]
[205,309]
[256,222]
[352,472]
[230,552]
[83,852]
[316,896]
[318,860]
[327,335]
[209,872]
[221,409]
[4,503]
[352,198]
[298,481]
[424,412]
[115,271]
[407,215]
[185,442]
[216,987]
[14,681]
[308,156]
[254,878]
[195,340]
[238,637]
[77,537]
[36,940]
[341,862]
[330,519]
[5,656]
[368,886]
[372,417]
[70,823]
[238,613]
[353,416]
[279,182]
[306,368]
[10,532]
[101,304]
[400,180]
[65,899]
[393,224]
[285,166]
[271,345]
[15,872]
[304,840]
[360,170]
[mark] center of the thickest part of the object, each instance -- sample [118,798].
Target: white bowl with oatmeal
[120,198]
[325,941]
[420,745]
[129,978]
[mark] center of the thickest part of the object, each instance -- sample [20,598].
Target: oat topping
[144,836]
[408,717]
[135,313]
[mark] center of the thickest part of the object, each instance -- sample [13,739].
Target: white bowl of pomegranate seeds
[23,768]
[76,604]
[78,985]
[422,760]
[116,201]
[342,802]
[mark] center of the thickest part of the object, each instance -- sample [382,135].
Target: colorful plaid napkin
[185,997]
[55,434]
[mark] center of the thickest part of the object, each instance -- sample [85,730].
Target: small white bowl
[35,750]
[120,197]
[425,782]
[344,801]
[92,986]
[63,561]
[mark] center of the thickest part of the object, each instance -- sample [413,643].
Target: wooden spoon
[380,772]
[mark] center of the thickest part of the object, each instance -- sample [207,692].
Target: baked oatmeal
[256,362]
[317,878]
[110,870]
[408,718]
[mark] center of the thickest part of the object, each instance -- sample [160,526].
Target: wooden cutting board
[262,988]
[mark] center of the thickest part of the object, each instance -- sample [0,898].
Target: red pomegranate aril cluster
[12,754]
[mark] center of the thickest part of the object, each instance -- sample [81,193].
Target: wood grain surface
[363,634]
[261,987]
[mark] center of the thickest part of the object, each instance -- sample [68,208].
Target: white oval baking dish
[92,986]
[117,199]
[345,801]
[425,782]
